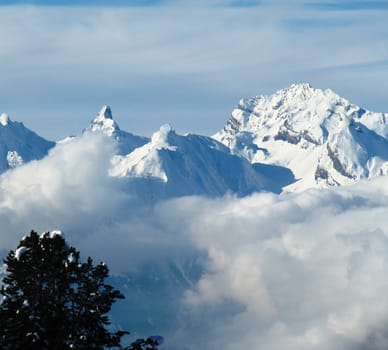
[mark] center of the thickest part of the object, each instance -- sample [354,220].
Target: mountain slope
[173,165]
[19,145]
[104,122]
[322,138]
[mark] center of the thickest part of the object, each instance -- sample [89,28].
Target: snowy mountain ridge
[311,134]
[104,123]
[19,145]
[173,165]
[298,138]
[321,137]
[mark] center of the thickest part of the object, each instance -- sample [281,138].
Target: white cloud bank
[70,190]
[308,271]
[303,271]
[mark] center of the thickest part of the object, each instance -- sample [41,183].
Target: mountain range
[298,138]
[322,138]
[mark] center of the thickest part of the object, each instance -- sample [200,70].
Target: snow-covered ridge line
[299,137]
[19,145]
[105,123]
[321,137]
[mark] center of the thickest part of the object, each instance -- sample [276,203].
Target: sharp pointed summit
[106,112]
[105,123]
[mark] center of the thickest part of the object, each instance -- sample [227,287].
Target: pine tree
[51,300]
[151,343]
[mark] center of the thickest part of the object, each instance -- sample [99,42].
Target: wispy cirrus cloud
[186,63]
[70,3]
[350,5]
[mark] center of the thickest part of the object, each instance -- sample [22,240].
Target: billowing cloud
[303,271]
[297,271]
[66,189]
[71,190]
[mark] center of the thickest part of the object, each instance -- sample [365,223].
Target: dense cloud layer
[296,271]
[70,190]
[306,271]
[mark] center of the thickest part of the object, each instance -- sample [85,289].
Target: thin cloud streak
[88,3]
[353,5]
[186,66]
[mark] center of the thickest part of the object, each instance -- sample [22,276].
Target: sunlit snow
[238,264]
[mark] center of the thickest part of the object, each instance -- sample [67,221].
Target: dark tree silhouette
[52,300]
[151,343]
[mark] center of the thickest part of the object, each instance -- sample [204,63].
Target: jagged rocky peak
[106,112]
[295,104]
[299,113]
[323,138]
[293,93]
[104,122]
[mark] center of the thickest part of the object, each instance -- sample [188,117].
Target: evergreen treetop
[52,300]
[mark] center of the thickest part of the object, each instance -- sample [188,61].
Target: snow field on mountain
[229,268]
[105,124]
[298,271]
[144,161]
[321,137]
[295,139]
[18,144]
[172,165]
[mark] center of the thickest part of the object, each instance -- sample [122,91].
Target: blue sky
[351,5]
[84,2]
[333,4]
[182,62]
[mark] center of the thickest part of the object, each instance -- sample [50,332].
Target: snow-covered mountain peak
[299,114]
[104,122]
[160,139]
[147,161]
[171,164]
[106,112]
[299,103]
[304,90]
[323,138]
[4,119]
[19,145]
